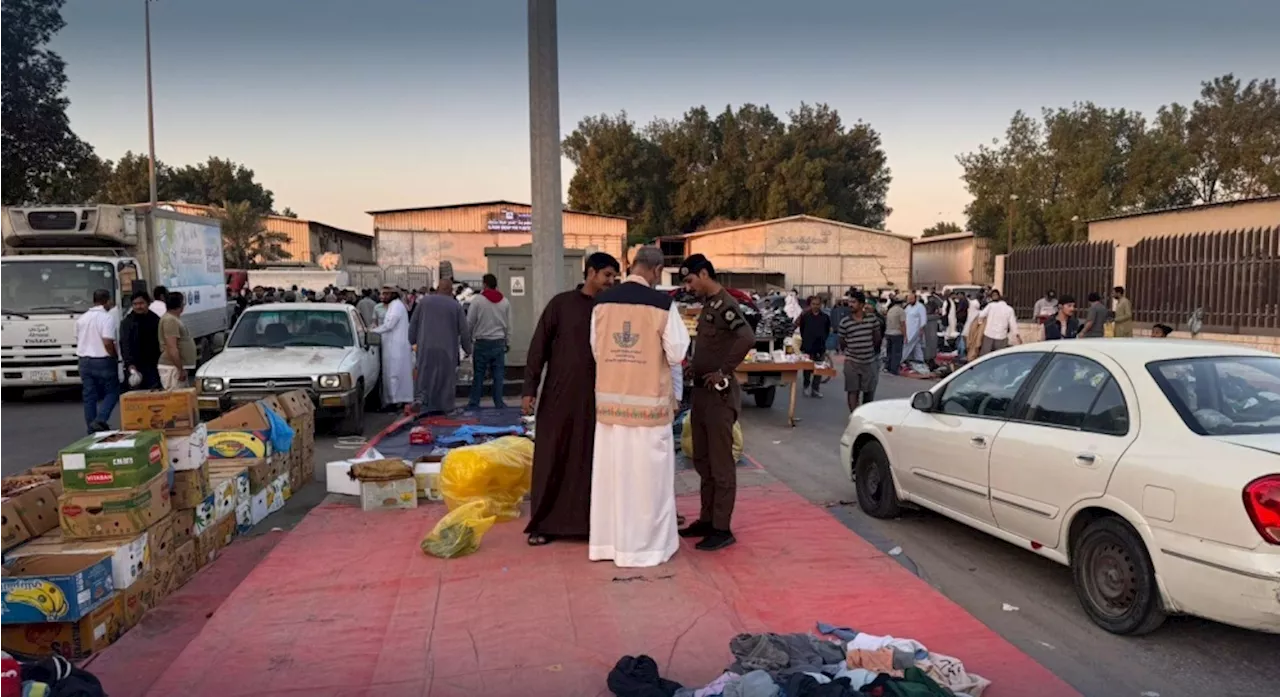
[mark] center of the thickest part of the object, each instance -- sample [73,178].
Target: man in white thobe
[638,340]
[397,354]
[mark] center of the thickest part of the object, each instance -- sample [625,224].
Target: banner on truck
[190,262]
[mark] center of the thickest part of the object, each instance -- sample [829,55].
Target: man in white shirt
[99,374]
[158,305]
[1001,327]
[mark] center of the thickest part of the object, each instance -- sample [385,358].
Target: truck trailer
[55,257]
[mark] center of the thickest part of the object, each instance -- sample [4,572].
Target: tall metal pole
[544,147]
[151,119]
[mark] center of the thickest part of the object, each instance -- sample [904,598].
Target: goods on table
[459,532]
[498,473]
[141,512]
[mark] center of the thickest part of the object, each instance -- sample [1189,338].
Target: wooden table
[787,374]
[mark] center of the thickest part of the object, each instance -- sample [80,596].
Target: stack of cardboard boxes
[137,512]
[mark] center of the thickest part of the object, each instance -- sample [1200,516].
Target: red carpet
[347,604]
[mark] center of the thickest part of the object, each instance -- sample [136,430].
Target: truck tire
[353,423]
[764,396]
[11,394]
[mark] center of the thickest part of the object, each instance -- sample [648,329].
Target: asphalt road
[1185,657]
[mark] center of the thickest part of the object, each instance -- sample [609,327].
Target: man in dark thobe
[438,329]
[560,502]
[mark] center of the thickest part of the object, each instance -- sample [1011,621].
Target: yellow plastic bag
[459,532]
[498,473]
[686,438]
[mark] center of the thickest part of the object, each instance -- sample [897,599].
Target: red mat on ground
[347,604]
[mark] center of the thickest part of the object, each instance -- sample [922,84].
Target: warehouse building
[813,255]
[958,259]
[1128,229]
[425,236]
[308,239]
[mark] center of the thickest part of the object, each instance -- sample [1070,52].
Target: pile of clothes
[850,664]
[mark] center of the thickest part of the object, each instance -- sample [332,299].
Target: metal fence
[1233,275]
[363,276]
[408,276]
[1074,268]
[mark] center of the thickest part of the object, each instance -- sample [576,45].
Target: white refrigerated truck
[55,257]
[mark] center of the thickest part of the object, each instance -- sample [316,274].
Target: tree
[43,161]
[942,228]
[128,180]
[246,242]
[288,213]
[681,175]
[208,184]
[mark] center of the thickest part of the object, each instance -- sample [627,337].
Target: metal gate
[362,276]
[412,277]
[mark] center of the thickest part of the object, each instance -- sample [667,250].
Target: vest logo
[625,339]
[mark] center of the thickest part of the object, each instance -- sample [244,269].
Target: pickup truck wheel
[11,394]
[764,396]
[1115,580]
[353,423]
[374,402]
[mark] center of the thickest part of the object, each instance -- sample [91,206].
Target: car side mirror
[372,339]
[922,401]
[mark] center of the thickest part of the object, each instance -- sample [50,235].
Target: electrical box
[514,268]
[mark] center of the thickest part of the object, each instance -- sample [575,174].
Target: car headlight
[330,382]
[212,385]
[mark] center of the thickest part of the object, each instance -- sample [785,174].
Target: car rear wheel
[1115,580]
[877,496]
[353,423]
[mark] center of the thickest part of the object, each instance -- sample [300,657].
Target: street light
[1013,198]
[151,118]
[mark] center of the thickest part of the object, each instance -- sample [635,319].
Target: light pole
[544,150]
[151,118]
[1013,198]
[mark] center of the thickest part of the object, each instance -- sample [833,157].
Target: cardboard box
[160,540]
[230,488]
[392,495]
[213,540]
[191,487]
[130,556]
[243,432]
[15,531]
[269,500]
[72,640]
[38,507]
[136,600]
[190,451]
[244,517]
[114,512]
[182,524]
[55,587]
[182,566]
[206,514]
[176,412]
[295,404]
[112,460]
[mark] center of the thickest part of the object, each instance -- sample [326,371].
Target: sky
[341,107]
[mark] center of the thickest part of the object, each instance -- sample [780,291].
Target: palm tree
[246,241]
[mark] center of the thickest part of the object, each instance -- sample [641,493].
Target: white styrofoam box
[130,558]
[190,451]
[337,478]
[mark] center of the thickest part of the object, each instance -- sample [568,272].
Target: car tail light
[1262,503]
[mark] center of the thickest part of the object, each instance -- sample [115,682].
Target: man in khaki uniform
[723,340]
[177,348]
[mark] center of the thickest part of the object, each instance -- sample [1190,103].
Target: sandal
[538,539]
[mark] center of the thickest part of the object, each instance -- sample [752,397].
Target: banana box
[191,487]
[55,587]
[15,531]
[173,411]
[130,556]
[113,460]
[183,526]
[230,488]
[269,500]
[243,432]
[71,640]
[211,541]
[114,512]
[137,599]
[190,451]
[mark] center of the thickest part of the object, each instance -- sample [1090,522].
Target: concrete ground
[1185,657]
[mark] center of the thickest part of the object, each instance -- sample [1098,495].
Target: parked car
[322,348]
[1150,467]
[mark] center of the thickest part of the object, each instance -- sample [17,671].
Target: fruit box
[55,587]
[71,640]
[243,432]
[112,460]
[175,412]
[114,512]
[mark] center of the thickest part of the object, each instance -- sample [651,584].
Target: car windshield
[47,287]
[1223,395]
[284,328]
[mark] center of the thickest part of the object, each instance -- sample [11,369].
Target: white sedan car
[1150,467]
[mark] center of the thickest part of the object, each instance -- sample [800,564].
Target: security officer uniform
[723,339]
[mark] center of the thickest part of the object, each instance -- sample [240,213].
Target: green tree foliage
[246,242]
[942,228]
[1049,175]
[43,161]
[682,175]
[209,183]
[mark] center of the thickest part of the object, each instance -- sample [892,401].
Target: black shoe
[718,539]
[699,528]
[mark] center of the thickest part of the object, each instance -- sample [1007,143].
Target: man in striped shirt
[859,333]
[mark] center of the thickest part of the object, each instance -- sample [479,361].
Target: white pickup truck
[323,348]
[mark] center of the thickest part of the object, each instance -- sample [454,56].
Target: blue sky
[343,106]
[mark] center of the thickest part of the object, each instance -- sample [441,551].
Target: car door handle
[1086,458]
[978,441]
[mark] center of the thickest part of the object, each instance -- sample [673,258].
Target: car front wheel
[1115,580]
[877,496]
